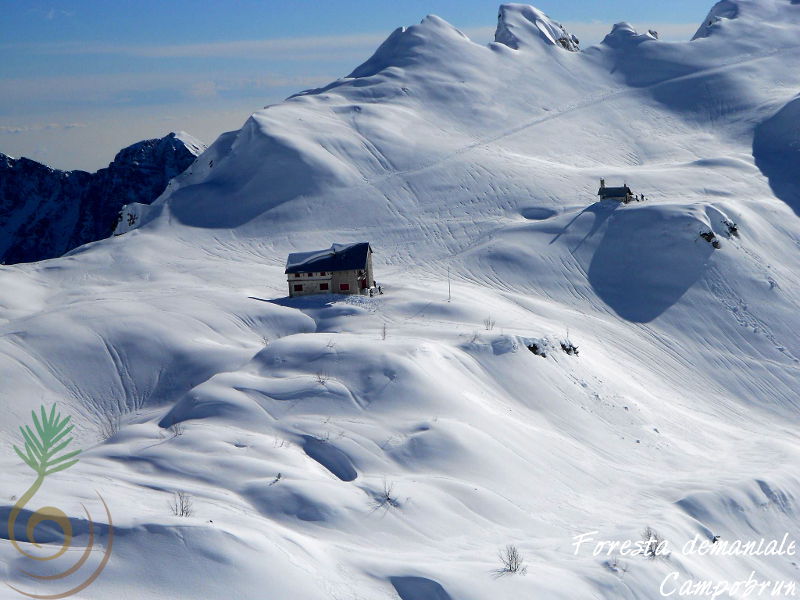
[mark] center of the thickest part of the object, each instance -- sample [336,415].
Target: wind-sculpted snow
[725,9]
[522,25]
[540,365]
[776,148]
[636,277]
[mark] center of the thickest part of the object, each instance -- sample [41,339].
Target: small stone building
[341,269]
[620,194]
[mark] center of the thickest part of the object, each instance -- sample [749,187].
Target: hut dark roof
[339,257]
[614,192]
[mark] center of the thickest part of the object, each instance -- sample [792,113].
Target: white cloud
[16,129]
[55,13]
[127,88]
[332,47]
[203,89]
[314,48]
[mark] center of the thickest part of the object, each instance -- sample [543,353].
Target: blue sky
[80,80]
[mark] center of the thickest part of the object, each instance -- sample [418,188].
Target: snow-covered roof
[339,257]
[613,192]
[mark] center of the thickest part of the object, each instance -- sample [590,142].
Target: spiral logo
[45,451]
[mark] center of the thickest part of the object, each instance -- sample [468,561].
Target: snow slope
[389,447]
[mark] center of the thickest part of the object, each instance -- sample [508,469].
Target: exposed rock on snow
[520,25]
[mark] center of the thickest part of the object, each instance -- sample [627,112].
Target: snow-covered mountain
[386,447]
[46,212]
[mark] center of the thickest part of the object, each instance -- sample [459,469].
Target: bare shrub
[385,498]
[615,565]
[511,561]
[181,505]
[654,544]
[108,425]
[322,377]
[177,429]
[488,323]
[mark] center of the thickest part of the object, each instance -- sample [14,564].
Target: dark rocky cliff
[46,212]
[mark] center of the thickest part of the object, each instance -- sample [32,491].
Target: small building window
[322,273]
[298,287]
[323,286]
[344,287]
[311,274]
[297,274]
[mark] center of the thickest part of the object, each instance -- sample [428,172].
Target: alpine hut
[340,269]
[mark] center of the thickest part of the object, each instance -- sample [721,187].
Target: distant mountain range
[46,212]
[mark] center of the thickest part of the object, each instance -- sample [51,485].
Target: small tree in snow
[511,561]
[181,505]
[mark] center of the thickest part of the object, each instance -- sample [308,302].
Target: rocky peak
[521,25]
[46,212]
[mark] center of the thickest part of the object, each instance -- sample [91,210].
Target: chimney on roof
[602,184]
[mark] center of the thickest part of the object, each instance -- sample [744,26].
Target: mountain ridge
[47,212]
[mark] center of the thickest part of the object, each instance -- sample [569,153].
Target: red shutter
[344,287]
[298,287]
[323,286]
